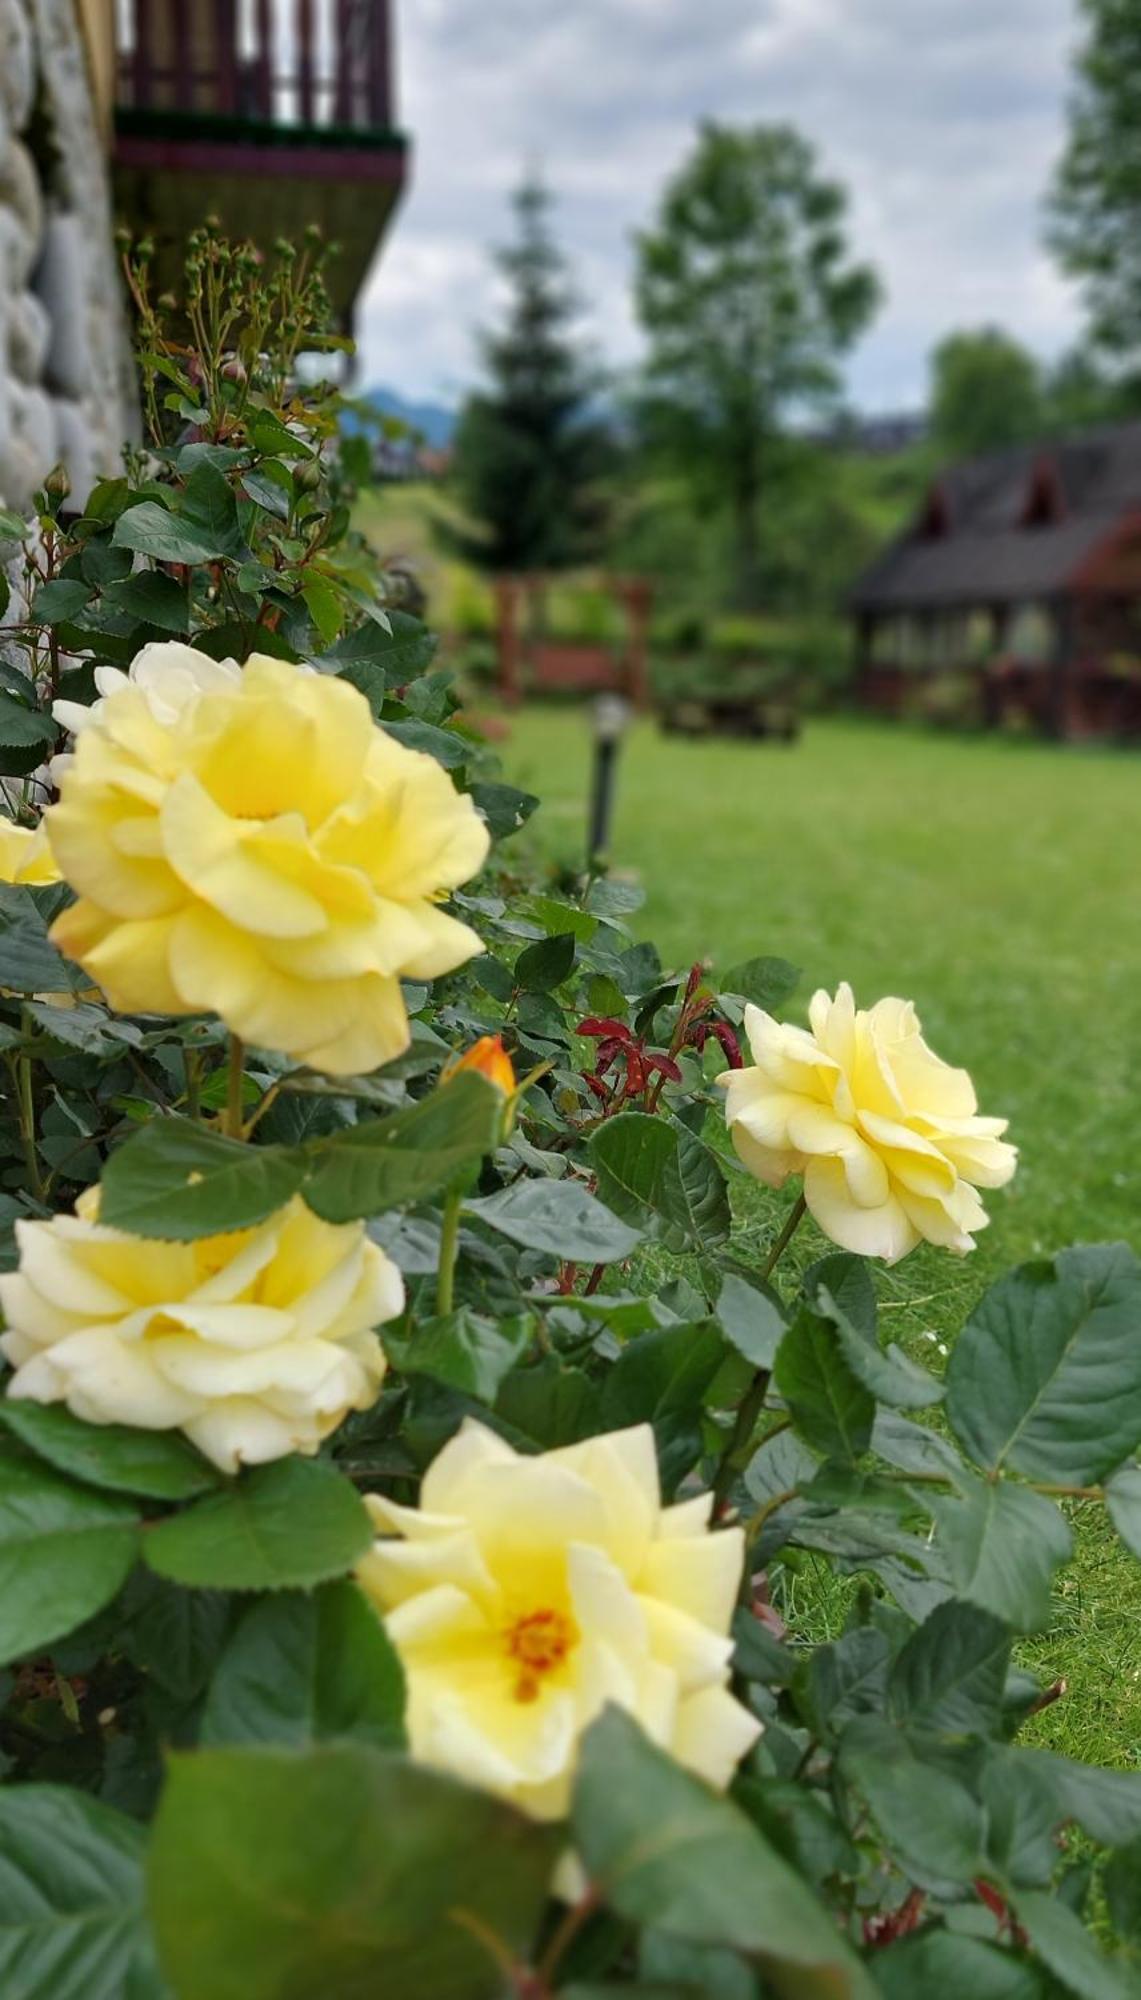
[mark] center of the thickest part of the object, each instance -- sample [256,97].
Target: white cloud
[943,117]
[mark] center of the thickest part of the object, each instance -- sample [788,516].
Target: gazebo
[1021,575]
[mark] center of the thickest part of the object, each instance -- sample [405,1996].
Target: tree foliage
[986,392]
[748,298]
[1096,203]
[530,449]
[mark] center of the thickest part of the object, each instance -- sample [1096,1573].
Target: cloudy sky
[944,117]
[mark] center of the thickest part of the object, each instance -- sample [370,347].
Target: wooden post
[184,78]
[263,63]
[380,78]
[343,58]
[305,61]
[637,596]
[141,60]
[507,603]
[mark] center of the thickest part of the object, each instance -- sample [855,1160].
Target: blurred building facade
[1015,594]
[270,114]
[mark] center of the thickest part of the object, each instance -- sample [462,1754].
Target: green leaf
[1062,1942]
[1123,1501]
[64,1552]
[1003,1543]
[950,1675]
[300,1668]
[445,745]
[651,1169]
[751,1321]
[558,1217]
[765,982]
[830,1408]
[463,1350]
[845,1679]
[289,1524]
[1121,1882]
[1046,1374]
[153,597]
[1106,1803]
[160,1465]
[504,807]
[848,1282]
[210,505]
[542,966]
[342,1873]
[23,727]
[324,606]
[929,1820]
[13,527]
[269,486]
[662,1379]
[1024,1817]
[889,1376]
[152,530]
[408,1157]
[71,1887]
[943,1962]
[28,962]
[667,1851]
[55,602]
[176,1180]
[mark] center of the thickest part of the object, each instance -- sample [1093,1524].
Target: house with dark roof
[1018,585]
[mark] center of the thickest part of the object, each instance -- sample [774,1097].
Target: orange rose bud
[488,1058]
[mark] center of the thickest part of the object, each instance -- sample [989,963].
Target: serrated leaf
[406,1158]
[339,1871]
[1046,1375]
[1062,1942]
[830,1408]
[662,1378]
[23,726]
[445,745]
[558,1217]
[765,982]
[889,1375]
[932,1824]
[29,963]
[945,1962]
[950,1675]
[71,1886]
[160,1465]
[667,1851]
[1003,1543]
[504,808]
[64,1552]
[154,597]
[462,1349]
[542,966]
[286,1525]
[301,1667]
[59,600]
[176,1180]
[650,1169]
[152,530]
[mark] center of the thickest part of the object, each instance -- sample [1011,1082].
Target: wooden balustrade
[311,63]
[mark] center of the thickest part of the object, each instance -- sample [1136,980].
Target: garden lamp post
[610,715]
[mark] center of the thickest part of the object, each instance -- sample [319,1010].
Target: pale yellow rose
[886,1134]
[25,855]
[251,843]
[255,1344]
[526,1593]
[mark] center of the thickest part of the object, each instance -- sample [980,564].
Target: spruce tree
[530,449]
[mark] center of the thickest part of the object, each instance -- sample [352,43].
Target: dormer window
[1044,505]
[935,521]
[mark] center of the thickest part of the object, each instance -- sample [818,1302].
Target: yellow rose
[255,1344]
[252,844]
[886,1134]
[527,1592]
[25,855]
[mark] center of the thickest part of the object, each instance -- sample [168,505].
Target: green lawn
[996,884]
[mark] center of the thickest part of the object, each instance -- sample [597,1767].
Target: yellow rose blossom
[252,844]
[886,1135]
[25,855]
[526,1593]
[255,1344]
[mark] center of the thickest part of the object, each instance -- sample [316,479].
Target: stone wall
[66,387]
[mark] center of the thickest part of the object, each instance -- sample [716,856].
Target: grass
[996,884]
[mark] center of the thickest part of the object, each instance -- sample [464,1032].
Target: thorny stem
[233,1123]
[753,1401]
[449,1239]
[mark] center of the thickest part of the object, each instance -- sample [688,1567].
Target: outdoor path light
[610,716]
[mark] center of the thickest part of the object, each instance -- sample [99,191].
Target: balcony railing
[319,65]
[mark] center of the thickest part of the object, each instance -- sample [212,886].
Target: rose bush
[412,1472]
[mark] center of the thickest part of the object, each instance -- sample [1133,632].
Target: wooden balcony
[270,114]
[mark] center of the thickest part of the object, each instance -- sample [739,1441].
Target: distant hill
[435,422]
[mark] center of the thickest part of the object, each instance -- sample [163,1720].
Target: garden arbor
[531,659]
